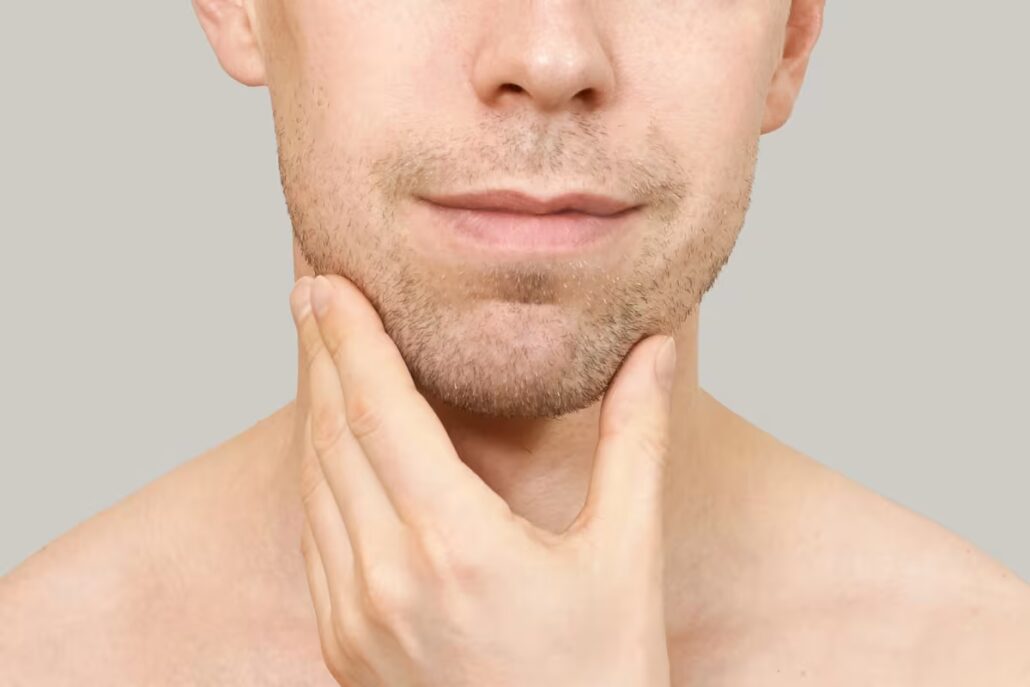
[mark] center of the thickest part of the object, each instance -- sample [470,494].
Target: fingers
[349,508]
[625,493]
[319,587]
[327,529]
[404,440]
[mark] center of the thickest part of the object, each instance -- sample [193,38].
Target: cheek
[704,75]
[344,67]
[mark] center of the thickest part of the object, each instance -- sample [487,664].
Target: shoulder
[870,639]
[851,588]
[896,593]
[88,603]
[980,636]
[85,604]
[58,606]
[150,587]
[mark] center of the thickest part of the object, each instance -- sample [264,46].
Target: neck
[541,466]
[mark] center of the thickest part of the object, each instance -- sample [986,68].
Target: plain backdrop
[873,314]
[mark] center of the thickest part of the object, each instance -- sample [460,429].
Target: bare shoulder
[973,613]
[837,585]
[120,594]
[911,601]
[58,605]
[980,637]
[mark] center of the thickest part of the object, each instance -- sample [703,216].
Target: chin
[503,397]
[520,368]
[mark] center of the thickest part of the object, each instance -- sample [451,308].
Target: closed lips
[517,202]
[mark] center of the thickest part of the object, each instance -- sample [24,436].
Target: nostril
[589,96]
[511,88]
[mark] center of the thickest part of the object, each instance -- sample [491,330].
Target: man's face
[378,105]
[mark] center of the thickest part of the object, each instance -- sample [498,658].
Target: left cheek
[727,93]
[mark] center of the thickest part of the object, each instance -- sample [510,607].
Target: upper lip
[516,201]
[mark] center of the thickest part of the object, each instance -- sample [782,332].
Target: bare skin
[778,571]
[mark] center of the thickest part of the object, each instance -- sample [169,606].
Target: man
[482,480]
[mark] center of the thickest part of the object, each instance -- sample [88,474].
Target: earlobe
[230,29]
[804,23]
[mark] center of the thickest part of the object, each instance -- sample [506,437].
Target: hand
[420,574]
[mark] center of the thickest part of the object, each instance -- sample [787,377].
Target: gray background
[873,314]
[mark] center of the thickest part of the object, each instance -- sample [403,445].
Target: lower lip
[513,232]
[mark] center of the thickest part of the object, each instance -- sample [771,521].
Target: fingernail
[321,291]
[665,363]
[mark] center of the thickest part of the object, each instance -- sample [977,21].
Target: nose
[546,52]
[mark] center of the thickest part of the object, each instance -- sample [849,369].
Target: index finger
[402,437]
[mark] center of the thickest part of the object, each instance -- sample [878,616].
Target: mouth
[508,222]
[504,200]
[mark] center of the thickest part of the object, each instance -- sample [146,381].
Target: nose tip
[555,60]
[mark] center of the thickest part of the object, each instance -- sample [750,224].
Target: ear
[231,31]
[803,27]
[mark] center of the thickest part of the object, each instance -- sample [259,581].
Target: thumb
[633,437]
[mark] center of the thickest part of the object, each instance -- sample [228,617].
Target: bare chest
[795,660]
[818,648]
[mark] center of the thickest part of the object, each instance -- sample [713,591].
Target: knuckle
[312,349]
[331,340]
[653,444]
[385,593]
[311,478]
[363,418]
[327,426]
[449,561]
[647,439]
